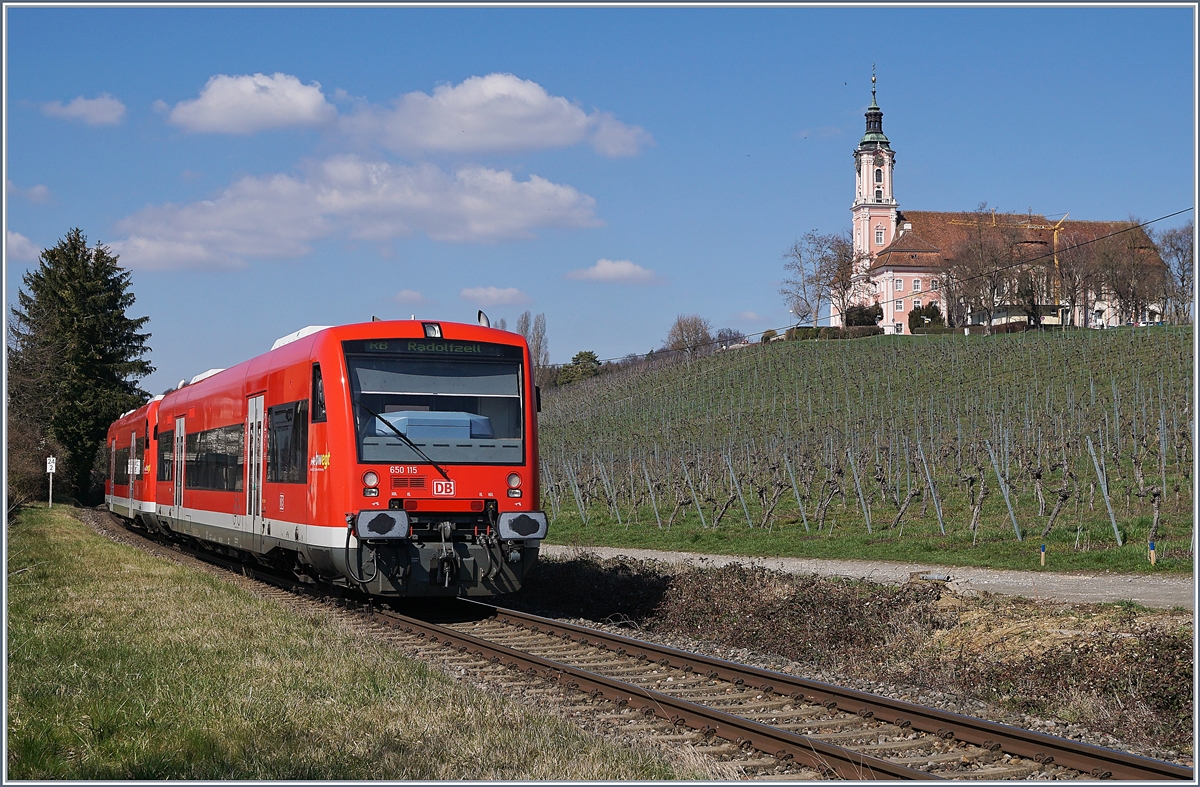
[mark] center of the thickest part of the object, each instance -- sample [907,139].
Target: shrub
[768,335]
[801,333]
[864,315]
[917,317]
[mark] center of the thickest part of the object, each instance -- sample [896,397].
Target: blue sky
[260,170]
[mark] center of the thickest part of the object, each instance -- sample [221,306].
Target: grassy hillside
[764,450]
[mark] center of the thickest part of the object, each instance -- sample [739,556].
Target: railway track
[802,729]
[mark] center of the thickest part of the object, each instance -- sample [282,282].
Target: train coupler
[443,570]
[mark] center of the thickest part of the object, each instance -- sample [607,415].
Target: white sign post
[50,470]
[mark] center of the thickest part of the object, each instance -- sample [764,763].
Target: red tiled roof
[936,234]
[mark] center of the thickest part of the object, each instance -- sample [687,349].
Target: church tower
[874,209]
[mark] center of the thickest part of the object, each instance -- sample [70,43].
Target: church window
[917,304]
[879,195]
[899,284]
[899,305]
[879,176]
[933,285]
[916,285]
[878,237]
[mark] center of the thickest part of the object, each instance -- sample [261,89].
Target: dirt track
[1152,590]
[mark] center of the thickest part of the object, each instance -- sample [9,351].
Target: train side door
[254,463]
[112,475]
[133,452]
[177,461]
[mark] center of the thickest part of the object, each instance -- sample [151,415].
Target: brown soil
[1103,670]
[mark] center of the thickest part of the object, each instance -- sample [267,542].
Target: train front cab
[131,452]
[465,400]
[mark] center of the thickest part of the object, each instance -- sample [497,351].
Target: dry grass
[1115,668]
[123,666]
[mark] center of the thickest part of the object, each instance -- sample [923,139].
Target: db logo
[443,488]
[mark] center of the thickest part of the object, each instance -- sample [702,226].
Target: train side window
[166,449]
[318,395]
[214,459]
[121,468]
[287,443]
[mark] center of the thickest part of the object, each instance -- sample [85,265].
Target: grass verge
[1087,545]
[125,666]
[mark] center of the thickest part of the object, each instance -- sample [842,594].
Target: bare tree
[807,285]
[837,270]
[1176,247]
[1127,274]
[955,291]
[984,262]
[689,333]
[1076,275]
[534,331]
[1032,290]
[728,336]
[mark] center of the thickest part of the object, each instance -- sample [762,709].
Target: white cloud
[38,193]
[253,102]
[616,271]
[281,215]
[104,110]
[277,216]
[18,247]
[497,112]
[494,296]
[410,298]
[614,139]
[748,317]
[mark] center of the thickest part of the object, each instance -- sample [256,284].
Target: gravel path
[1152,590]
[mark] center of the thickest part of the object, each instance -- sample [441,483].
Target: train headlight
[370,478]
[432,330]
[514,480]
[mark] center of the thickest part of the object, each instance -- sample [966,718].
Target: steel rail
[823,757]
[1090,759]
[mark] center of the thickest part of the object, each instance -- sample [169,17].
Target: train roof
[298,344]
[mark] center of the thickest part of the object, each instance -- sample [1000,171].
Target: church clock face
[878,160]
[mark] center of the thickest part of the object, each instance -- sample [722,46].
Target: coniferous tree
[74,356]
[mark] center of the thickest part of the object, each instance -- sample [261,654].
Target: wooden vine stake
[796,491]
[1003,489]
[937,505]
[858,487]
[1104,489]
[695,497]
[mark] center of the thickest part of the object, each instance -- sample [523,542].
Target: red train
[399,457]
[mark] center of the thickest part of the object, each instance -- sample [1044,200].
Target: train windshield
[457,402]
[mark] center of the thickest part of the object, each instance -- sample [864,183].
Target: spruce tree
[74,356]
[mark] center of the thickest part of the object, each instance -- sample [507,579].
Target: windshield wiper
[404,437]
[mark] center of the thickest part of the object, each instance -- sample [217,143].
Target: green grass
[919,541]
[126,666]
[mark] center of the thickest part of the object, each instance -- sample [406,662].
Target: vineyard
[963,448]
